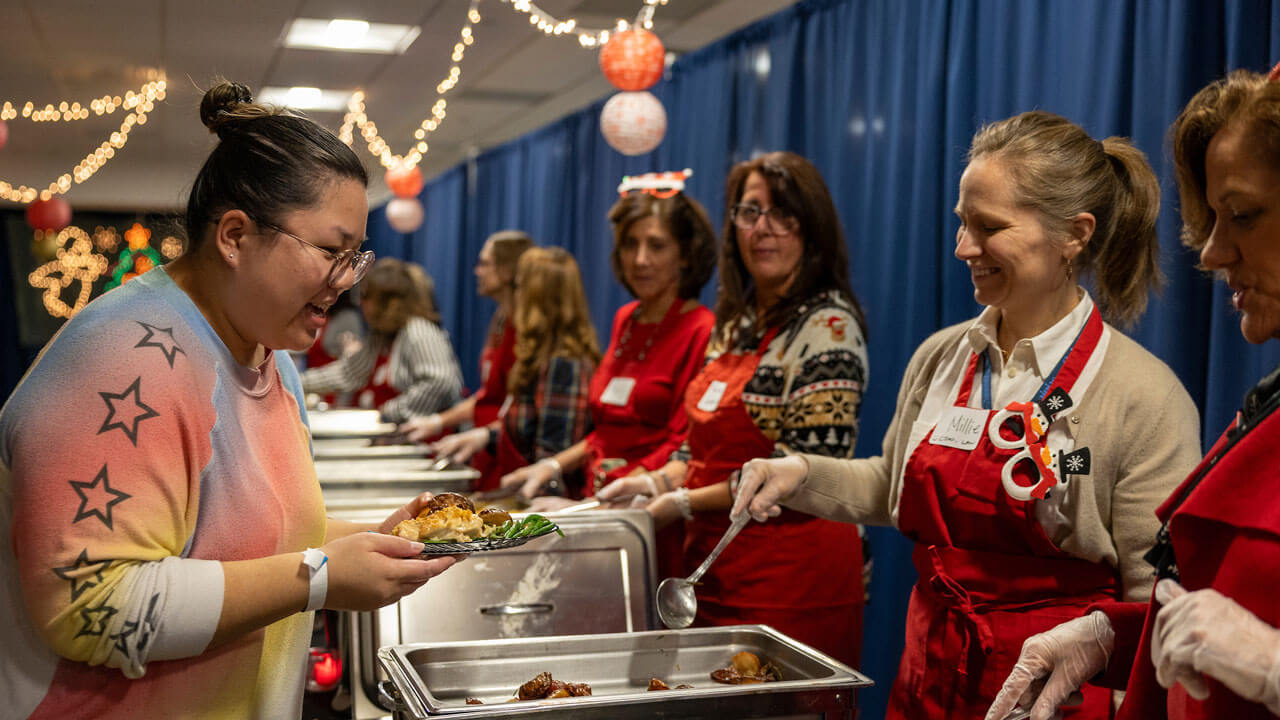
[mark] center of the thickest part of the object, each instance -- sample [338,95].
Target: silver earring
[230,255]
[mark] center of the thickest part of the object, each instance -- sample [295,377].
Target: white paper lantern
[404,214]
[633,123]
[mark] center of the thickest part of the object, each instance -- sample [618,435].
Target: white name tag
[618,391]
[711,398]
[960,428]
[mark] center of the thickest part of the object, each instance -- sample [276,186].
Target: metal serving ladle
[677,603]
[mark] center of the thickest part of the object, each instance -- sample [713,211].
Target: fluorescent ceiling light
[349,35]
[305,98]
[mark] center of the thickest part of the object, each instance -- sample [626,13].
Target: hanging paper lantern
[633,59]
[49,215]
[4,133]
[404,214]
[405,182]
[633,123]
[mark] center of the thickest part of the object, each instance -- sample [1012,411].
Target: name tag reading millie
[618,391]
[711,398]
[960,428]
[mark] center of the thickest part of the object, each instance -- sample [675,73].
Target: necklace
[627,327]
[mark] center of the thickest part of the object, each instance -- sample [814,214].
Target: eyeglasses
[777,220]
[356,262]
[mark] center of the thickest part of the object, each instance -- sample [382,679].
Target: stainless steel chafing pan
[434,679]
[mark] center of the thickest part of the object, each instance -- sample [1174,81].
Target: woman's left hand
[1207,633]
[665,510]
[408,512]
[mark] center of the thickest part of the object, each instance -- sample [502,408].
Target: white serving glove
[459,447]
[765,483]
[1053,665]
[1207,633]
[532,479]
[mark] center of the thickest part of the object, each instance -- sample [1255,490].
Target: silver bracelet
[666,480]
[682,502]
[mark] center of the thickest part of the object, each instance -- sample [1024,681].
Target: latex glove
[629,491]
[368,570]
[421,428]
[533,479]
[1053,665]
[664,509]
[459,447]
[1207,633]
[765,483]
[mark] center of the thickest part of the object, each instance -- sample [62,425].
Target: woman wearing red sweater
[663,254]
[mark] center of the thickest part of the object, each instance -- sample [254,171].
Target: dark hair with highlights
[797,188]
[1244,97]
[268,162]
[687,222]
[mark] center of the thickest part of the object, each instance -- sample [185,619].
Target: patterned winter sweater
[134,457]
[807,391]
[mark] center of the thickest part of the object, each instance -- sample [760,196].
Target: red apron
[379,389]
[989,577]
[799,574]
[496,360]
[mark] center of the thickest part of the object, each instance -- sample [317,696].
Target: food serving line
[580,607]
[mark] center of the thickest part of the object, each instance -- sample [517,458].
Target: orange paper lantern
[49,215]
[633,59]
[405,182]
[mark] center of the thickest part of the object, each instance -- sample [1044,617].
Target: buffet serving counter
[434,680]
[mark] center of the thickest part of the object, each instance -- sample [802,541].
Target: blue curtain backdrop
[883,95]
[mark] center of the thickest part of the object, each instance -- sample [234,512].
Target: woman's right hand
[628,491]
[765,483]
[369,570]
[1054,665]
[420,428]
[459,447]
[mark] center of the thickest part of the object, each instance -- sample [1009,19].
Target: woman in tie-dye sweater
[156,484]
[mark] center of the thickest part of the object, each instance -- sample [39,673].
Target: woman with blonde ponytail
[1030,446]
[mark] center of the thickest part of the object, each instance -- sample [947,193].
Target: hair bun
[218,109]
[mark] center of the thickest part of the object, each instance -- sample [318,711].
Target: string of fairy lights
[357,116]
[587,37]
[138,104]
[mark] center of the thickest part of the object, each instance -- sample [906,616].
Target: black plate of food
[449,524]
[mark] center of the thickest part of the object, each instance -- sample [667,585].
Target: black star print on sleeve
[97,498]
[83,574]
[137,633]
[129,408]
[162,338]
[96,618]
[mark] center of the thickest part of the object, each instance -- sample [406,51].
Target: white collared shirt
[1030,362]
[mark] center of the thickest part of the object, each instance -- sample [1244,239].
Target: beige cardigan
[1141,428]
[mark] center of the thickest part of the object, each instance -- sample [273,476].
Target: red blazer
[1226,536]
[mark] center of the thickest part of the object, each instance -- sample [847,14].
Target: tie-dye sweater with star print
[135,457]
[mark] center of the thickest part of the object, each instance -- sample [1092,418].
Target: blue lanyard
[1048,381]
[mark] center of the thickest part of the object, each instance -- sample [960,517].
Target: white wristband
[317,564]
[682,502]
